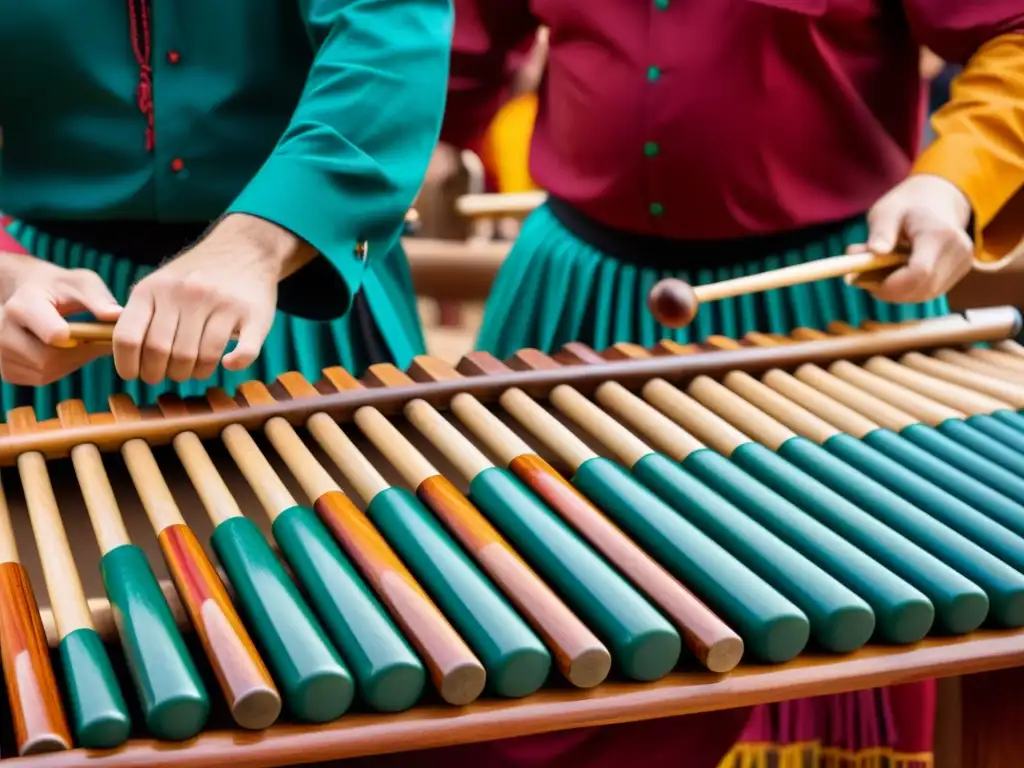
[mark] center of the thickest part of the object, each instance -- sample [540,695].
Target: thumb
[885,225]
[250,341]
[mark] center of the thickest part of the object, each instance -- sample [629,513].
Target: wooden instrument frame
[555,708]
[53,441]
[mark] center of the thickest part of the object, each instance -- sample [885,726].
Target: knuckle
[81,275]
[127,341]
[18,307]
[159,349]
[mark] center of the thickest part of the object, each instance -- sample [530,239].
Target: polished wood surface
[678,694]
[62,581]
[456,673]
[615,701]
[100,501]
[35,703]
[580,656]
[243,677]
[983,325]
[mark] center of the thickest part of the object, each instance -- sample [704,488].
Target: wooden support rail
[53,441]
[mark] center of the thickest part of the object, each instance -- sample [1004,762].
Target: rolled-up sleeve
[353,156]
[979,143]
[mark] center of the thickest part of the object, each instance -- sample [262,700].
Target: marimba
[443,555]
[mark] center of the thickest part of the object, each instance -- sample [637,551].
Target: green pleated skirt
[555,288]
[294,343]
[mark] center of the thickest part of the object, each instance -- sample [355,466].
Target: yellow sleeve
[507,144]
[980,145]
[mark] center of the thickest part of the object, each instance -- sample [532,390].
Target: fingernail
[880,246]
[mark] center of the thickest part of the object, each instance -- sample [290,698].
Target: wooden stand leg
[993,710]
[949,722]
[450,314]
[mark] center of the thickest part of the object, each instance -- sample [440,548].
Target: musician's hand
[37,296]
[179,320]
[930,216]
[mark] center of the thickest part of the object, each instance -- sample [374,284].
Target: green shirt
[318,115]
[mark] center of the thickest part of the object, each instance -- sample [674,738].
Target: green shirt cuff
[306,202]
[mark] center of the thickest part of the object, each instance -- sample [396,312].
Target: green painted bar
[960,606]
[1003,585]
[516,660]
[979,467]
[950,478]
[973,439]
[951,511]
[644,645]
[998,429]
[317,686]
[840,620]
[389,675]
[903,613]
[99,715]
[773,628]
[174,701]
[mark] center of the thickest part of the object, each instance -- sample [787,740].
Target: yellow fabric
[806,754]
[507,144]
[980,145]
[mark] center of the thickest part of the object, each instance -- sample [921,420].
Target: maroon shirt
[706,119]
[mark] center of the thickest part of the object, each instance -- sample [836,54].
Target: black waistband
[671,254]
[143,242]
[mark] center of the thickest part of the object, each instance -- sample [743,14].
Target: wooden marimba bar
[445,554]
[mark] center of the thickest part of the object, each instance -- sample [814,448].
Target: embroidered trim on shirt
[138,14]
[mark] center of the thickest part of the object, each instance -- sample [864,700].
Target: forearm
[274,250]
[347,168]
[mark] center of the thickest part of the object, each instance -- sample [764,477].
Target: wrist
[273,250]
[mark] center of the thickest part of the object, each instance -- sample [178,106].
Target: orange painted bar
[700,628]
[39,721]
[578,653]
[455,670]
[242,675]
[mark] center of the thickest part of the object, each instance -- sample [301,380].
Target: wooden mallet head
[673,302]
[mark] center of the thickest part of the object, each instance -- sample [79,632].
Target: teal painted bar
[174,701]
[983,445]
[516,660]
[389,675]
[772,627]
[1014,418]
[951,511]
[960,605]
[998,429]
[979,467]
[317,686]
[99,715]
[903,613]
[950,478]
[1003,585]
[840,620]
[644,645]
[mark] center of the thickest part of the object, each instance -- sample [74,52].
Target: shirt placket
[170,158]
[651,148]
